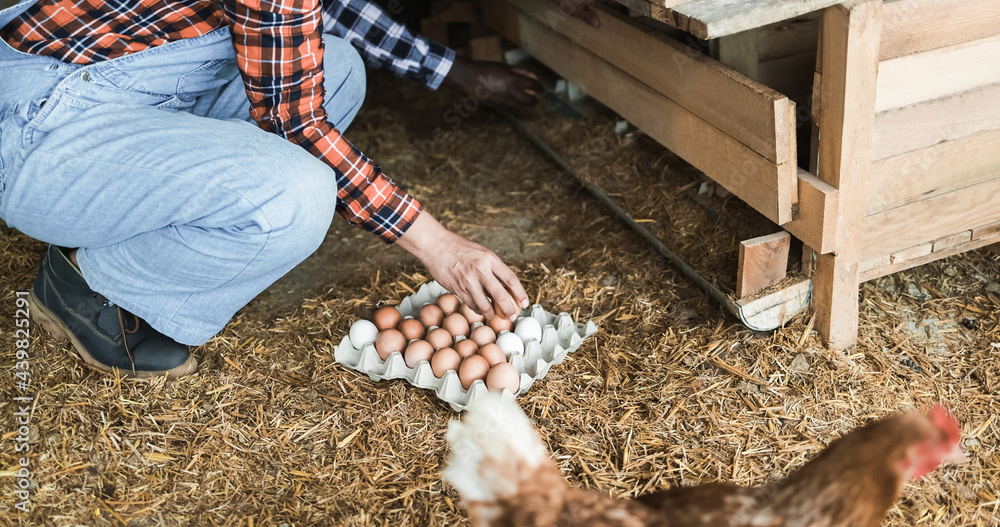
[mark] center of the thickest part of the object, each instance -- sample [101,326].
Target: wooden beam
[815,222]
[850,45]
[748,111]
[934,171]
[912,26]
[767,187]
[763,262]
[931,219]
[928,123]
[937,73]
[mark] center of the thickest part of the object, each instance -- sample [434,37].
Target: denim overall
[183,209]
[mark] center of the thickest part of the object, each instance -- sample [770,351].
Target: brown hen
[503,472]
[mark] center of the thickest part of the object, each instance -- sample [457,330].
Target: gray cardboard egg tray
[560,336]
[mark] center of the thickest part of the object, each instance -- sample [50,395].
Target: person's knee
[302,210]
[346,81]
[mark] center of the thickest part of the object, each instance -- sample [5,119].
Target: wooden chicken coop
[899,164]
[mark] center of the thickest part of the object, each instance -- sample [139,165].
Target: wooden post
[850,38]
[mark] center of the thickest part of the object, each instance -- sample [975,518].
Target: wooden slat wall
[936,139]
[930,219]
[912,26]
[925,124]
[937,73]
[934,171]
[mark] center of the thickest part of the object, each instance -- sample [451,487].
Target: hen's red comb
[943,419]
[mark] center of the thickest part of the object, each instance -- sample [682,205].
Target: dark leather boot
[107,337]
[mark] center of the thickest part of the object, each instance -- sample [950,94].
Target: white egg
[362,332]
[528,328]
[510,343]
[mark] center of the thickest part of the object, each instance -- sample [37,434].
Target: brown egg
[483,335]
[466,347]
[503,376]
[388,341]
[499,324]
[448,303]
[386,317]
[411,329]
[431,315]
[416,351]
[470,314]
[456,324]
[473,367]
[492,353]
[439,338]
[445,360]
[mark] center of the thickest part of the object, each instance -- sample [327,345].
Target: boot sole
[59,331]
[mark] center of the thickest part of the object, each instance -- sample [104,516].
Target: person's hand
[579,9]
[465,268]
[495,84]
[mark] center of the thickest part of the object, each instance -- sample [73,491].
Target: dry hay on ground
[670,392]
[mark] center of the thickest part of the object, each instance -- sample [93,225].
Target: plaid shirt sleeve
[279,49]
[384,43]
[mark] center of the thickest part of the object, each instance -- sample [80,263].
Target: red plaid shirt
[279,50]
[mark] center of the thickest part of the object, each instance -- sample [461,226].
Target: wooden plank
[917,251]
[934,171]
[988,231]
[850,37]
[868,265]
[708,19]
[763,262]
[789,37]
[791,75]
[928,123]
[501,16]
[815,221]
[767,187]
[950,241]
[649,9]
[912,26]
[931,219]
[904,264]
[751,113]
[937,73]
[740,52]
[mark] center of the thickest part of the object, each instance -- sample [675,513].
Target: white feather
[490,447]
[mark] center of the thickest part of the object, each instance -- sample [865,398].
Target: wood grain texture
[763,262]
[850,47]
[763,185]
[937,73]
[931,219]
[751,113]
[928,123]
[933,171]
[912,26]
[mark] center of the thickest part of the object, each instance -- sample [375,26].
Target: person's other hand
[495,84]
[465,268]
